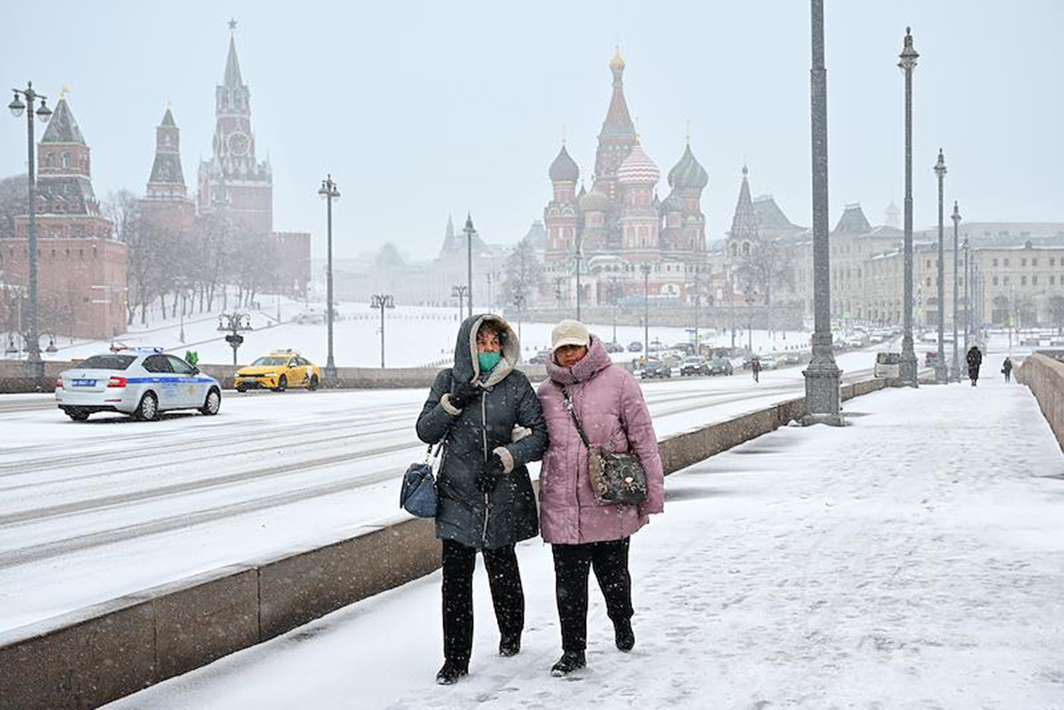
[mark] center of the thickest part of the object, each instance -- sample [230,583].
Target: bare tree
[14,201]
[762,270]
[524,273]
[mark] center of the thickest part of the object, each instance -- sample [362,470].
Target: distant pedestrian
[1007,369]
[755,367]
[975,359]
[586,534]
[493,425]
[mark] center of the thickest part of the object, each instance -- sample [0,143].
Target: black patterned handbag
[615,477]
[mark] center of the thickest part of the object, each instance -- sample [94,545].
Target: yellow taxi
[278,371]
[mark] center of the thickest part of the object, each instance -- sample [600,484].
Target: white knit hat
[570,332]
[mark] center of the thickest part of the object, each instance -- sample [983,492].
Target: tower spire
[232,64]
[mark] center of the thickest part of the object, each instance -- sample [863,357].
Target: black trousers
[504,578]
[571,563]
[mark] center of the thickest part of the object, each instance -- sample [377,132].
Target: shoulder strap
[572,413]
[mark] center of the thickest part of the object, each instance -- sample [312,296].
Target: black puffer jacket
[506,419]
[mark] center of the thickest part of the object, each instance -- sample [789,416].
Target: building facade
[81,266]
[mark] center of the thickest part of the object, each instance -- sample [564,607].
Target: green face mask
[488,360]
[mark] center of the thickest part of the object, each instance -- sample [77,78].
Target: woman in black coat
[975,359]
[493,423]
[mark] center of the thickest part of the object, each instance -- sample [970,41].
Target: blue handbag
[418,493]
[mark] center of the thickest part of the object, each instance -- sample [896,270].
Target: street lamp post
[822,391]
[579,257]
[698,302]
[614,297]
[941,371]
[967,294]
[234,323]
[382,301]
[750,322]
[459,292]
[470,233]
[956,217]
[17,107]
[907,369]
[645,268]
[329,192]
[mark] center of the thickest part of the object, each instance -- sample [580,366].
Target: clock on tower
[238,143]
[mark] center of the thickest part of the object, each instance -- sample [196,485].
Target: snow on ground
[414,336]
[90,511]
[913,559]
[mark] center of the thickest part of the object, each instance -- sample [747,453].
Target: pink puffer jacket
[614,416]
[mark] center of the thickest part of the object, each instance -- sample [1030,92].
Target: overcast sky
[421,109]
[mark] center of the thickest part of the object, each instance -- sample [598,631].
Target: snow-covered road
[911,560]
[90,511]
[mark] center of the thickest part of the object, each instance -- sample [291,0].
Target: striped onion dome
[594,201]
[638,169]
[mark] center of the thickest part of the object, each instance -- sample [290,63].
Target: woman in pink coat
[585,533]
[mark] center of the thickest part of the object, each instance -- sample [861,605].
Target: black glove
[488,478]
[464,393]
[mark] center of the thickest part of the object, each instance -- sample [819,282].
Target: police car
[141,382]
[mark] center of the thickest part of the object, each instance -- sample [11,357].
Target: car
[278,371]
[768,362]
[930,358]
[655,368]
[719,366]
[635,347]
[888,364]
[540,358]
[140,382]
[790,358]
[614,347]
[693,365]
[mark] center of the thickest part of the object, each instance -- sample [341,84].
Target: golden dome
[618,61]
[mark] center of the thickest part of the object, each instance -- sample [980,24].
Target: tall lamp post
[907,369]
[470,233]
[33,349]
[382,301]
[329,192]
[956,217]
[967,292]
[645,268]
[822,391]
[698,301]
[941,371]
[579,258]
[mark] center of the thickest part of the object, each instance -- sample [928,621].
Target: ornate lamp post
[470,233]
[329,192]
[956,217]
[645,268]
[234,323]
[33,350]
[907,370]
[967,292]
[382,301]
[941,371]
[822,393]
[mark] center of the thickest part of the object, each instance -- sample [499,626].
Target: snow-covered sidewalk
[914,559]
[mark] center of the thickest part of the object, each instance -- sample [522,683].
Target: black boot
[509,646]
[569,662]
[623,635]
[451,672]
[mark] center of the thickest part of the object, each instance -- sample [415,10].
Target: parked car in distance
[654,367]
[719,366]
[790,358]
[930,358]
[635,347]
[141,382]
[540,358]
[614,347]
[887,365]
[693,365]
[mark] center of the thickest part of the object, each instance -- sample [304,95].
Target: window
[1052,261]
[1034,262]
[1005,281]
[1023,262]
[157,363]
[107,362]
[995,263]
[1006,261]
[929,281]
[1023,281]
[995,280]
[1034,280]
[179,366]
[1052,280]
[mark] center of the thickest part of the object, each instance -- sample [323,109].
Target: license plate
[84,383]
